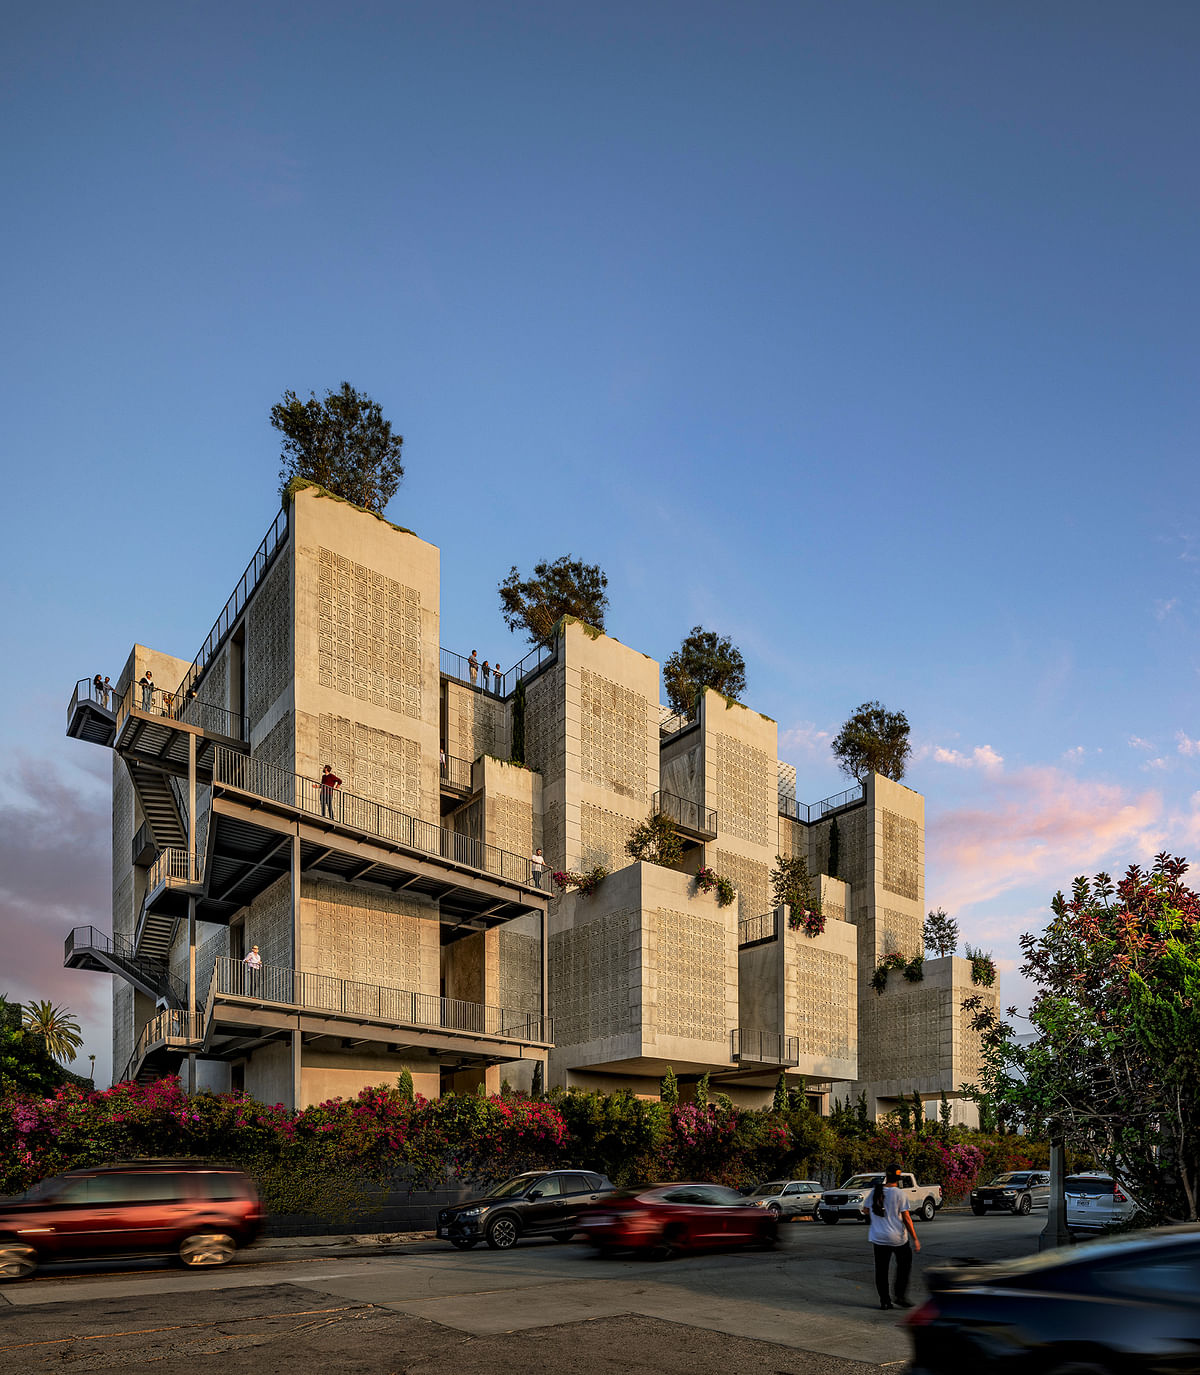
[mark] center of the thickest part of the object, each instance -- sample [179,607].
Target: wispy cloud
[981,757]
[1186,745]
[806,737]
[1074,754]
[1137,743]
[1162,609]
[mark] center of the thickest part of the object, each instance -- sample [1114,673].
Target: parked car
[1018,1191]
[788,1198]
[199,1213]
[849,1201]
[1106,1307]
[1095,1201]
[661,1220]
[536,1203]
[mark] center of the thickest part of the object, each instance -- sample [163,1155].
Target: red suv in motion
[199,1213]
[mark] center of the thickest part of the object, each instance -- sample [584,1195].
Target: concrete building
[399,918]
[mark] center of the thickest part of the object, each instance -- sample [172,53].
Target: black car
[1108,1307]
[534,1204]
[1019,1191]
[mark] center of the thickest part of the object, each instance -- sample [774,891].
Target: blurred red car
[199,1213]
[663,1220]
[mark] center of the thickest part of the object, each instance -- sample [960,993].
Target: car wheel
[830,1219]
[17,1261]
[775,1210]
[928,1209]
[463,1243]
[564,1236]
[207,1248]
[1025,1206]
[667,1245]
[977,1210]
[503,1233]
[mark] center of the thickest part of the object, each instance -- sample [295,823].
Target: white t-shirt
[889,1230]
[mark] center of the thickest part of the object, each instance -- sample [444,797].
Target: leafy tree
[873,740]
[702,1091]
[566,587]
[669,1090]
[405,1085]
[791,884]
[57,1028]
[944,1112]
[704,660]
[26,1066]
[655,841]
[539,1080]
[941,932]
[904,1108]
[780,1102]
[342,443]
[1115,1068]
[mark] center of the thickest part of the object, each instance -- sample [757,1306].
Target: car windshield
[1013,1177]
[510,1188]
[44,1188]
[862,1181]
[767,1190]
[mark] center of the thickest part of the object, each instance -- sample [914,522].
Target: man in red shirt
[329,781]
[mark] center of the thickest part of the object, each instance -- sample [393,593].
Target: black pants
[883,1256]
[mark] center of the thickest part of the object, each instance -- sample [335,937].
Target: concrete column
[1055,1231]
[297,1038]
[297,1042]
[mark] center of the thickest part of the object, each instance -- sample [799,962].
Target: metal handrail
[299,988]
[671,723]
[92,938]
[683,811]
[87,691]
[761,928]
[456,773]
[174,865]
[256,570]
[173,1024]
[292,790]
[798,811]
[157,701]
[460,668]
[764,1047]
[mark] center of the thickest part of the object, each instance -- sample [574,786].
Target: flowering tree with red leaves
[1115,1070]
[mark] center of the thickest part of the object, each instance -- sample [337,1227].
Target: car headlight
[472,1212]
[1008,1193]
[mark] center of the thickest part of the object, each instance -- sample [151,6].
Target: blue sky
[865,334]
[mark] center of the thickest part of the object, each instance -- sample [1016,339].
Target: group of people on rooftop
[474,669]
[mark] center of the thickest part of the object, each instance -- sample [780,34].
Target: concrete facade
[402,926]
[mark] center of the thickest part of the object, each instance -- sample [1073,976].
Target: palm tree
[56,1026]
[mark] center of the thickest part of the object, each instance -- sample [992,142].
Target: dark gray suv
[1019,1191]
[539,1203]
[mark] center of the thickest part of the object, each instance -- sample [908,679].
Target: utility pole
[1055,1231]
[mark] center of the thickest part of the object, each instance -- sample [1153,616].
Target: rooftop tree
[564,587]
[941,932]
[342,443]
[704,660]
[873,740]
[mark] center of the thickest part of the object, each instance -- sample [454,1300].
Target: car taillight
[1119,1196]
[923,1316]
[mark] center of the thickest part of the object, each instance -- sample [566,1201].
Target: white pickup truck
[849,1201]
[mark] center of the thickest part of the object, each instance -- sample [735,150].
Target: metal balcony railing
[157,701]
[672,722]
[174,1026]
[121,953]
[87,691]
[686,814]
[764,1047]
[256,569]
[297,988]
[798,811]
[456,774]
[362,814]
[754,930]
[461,668]
[175,867]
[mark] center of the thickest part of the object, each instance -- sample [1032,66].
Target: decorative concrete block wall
[475,723]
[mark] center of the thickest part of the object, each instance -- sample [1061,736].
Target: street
[808,1308]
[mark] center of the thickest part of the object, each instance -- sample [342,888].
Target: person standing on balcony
[538,865]
[147,685]
[98,689]
[473,667]
[253,963]
[329,781]
[487,670]
[499,678]
[107,691]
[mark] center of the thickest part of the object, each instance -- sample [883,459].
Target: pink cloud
[981,757]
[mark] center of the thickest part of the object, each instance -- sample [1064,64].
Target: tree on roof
[564,587]
[704,660]
[342,443]
[873,740]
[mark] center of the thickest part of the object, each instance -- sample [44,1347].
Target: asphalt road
[808,1308]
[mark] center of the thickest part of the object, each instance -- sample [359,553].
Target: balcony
[750,1047]
[164,1040]
[455,779]
[152,726]
[462,670]
[799,811]
[759,930]
[89,948]
[91,713]
[321,1005]
[693,820]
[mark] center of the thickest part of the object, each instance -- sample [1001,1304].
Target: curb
[346,1239]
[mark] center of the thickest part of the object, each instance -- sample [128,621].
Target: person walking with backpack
[889,1233]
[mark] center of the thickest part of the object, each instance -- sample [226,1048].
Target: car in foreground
[855,1195]
[789,1198]
[664,1220]
[1018,1191]
[1106,1307]
[198,1213]
[1096,1201]
[537,1203]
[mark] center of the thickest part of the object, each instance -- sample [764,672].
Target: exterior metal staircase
[89,948]
[159,805]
